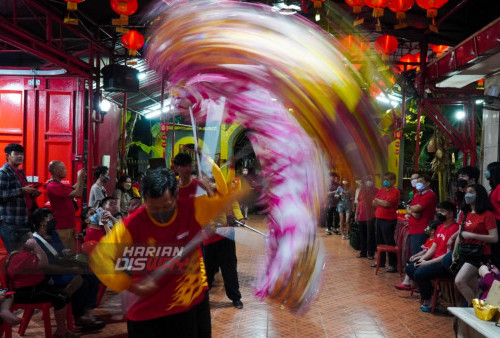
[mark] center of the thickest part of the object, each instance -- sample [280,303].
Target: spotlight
[460,115]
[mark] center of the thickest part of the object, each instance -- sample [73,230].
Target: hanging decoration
[407,58]
[439,49]
[386,44]
[432,7]
[356,9]
[124,8]
[133,40]
[72,6]
[378,10]
[318,4]
[400,7]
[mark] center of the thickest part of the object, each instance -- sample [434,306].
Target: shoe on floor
[88,324]
[328,232]
[374,265]
[370,257]
[404,287]
[361,256]
[425,308]
[391,269]
[238,304]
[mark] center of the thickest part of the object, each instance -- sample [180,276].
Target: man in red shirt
[386,201]
[61,201]
[420,212]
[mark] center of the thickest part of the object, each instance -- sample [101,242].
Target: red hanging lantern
[351,44]
[439,49]
[386,44]
[407,58]
[124,8]
[432,6]
[133,40]
[356,5]
[318,3]
[378,10]
[400,7]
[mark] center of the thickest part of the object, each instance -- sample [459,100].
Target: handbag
[470,250]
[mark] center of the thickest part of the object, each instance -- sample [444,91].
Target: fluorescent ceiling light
[388,99]
[152,114]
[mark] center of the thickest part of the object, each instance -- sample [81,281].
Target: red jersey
[495,200]
[428,200]
[479,224]
[441,238]
[391,196]
[94,234]
[62,205]
[188,191]
[365,199]
[428,243]
[23,270]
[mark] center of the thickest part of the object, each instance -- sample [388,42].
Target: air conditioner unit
[119,78]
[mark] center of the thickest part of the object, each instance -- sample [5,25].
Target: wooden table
[469,326]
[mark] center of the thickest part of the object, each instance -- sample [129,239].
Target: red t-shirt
[23,270]
[441,238]
[428,243]
[391,196]
[188,191]
[94,234]
[495,200]
[62,205]
[479,224]
[428,201]
[365,199]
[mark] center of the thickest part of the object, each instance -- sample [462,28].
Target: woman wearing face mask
[472,247]
[98,192]
[123,193]
[344,207]
[492,174]
[365,216]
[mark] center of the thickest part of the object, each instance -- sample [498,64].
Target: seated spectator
[430,265]
[77,283]
[123,193]
[111,212]
[95,231]
[489,274]
[429,231]
[26,278]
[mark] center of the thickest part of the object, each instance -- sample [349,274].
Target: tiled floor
[353,302]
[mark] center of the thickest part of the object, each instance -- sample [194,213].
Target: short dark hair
[434,224]
[9,148]
[448,206]
[182,159]
[470,171]
[157,181]
[390,175]
[100,171]
[482,203]
[121,180]
[494,169]
[84,214]
[39,216]
[427,178]
[105,200]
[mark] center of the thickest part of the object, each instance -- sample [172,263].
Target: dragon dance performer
[176,304]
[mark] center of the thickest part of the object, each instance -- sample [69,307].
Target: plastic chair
[5,329]
[383,248]
[100,293]
[29,309]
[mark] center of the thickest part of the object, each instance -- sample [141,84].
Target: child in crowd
[95,231]
[26,278]
[429,231]
[489,274]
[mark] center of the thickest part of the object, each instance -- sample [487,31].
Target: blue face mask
[95,218]
[487,174]
[386,183]
[106,179]
[420,186]
[470,198]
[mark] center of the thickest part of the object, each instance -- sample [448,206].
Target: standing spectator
[176,303]
[98,192]
[465,176]
[493,176]
[386,201]
[123,193]
[420,212]
[478,228]
[344,207]
[413,182]
[332,215]
[365,216]
[16,197]
[62,203]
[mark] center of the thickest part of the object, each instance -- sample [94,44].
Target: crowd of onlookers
[455,239]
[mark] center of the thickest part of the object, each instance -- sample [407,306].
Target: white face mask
[369,183]
[244,172]
[344,182]
[414,182]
